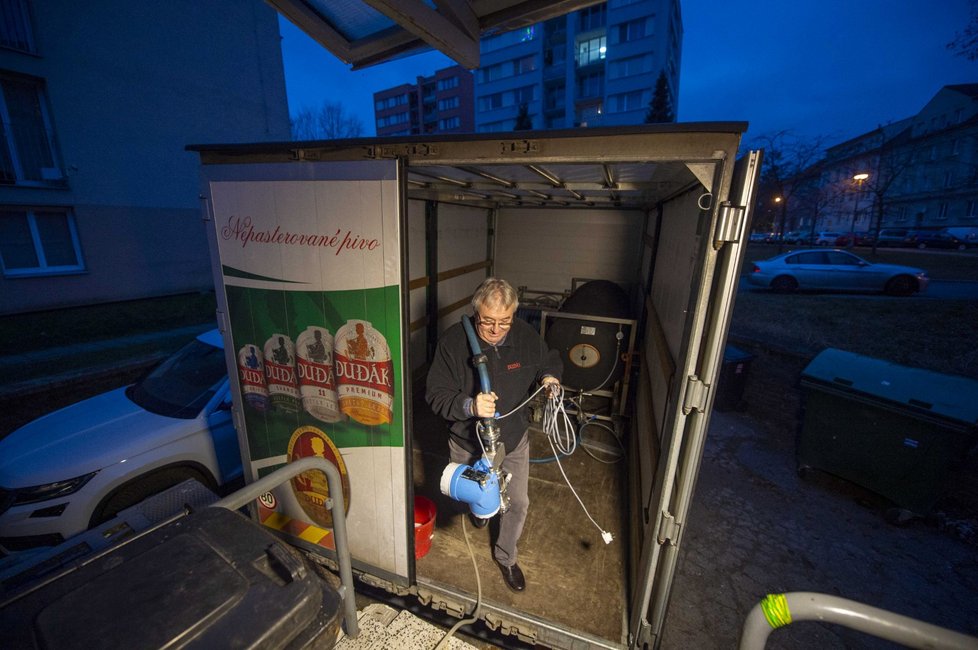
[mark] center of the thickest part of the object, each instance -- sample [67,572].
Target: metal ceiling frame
[452,27]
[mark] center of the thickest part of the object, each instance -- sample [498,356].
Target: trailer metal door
[720,247]
[308,264]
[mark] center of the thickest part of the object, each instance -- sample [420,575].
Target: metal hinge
[696,394]
[644,639]
[729,220]
[668,529]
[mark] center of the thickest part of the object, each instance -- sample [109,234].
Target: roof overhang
[367,32]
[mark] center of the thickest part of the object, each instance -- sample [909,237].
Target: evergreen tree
[523,120]
[660,108]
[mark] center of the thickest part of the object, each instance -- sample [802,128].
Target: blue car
[835,270]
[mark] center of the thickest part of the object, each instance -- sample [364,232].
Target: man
[517,360]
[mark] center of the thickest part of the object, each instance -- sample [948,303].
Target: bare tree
[330,121]
[965,42]
[786,160]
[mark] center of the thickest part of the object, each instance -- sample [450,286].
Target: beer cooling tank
[591,349]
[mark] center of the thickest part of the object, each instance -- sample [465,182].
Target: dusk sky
[815,67]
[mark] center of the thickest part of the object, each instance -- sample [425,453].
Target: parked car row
[956,238]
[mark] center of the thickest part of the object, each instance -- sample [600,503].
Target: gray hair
[495,292]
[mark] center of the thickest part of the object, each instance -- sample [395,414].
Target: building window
[592,18]
[448,103]
[27,155]
[948,179]
[631,66]
[969,210]
[625,102]
[942,212]
[523,95]
[590,85]
[493,72]
[38,241]
[634,30]
[591,50]
[449,123]
[490,102]
[499,41]
[16,31]
[525,64]
[447,83]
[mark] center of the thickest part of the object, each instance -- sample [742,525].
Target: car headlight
[49,491]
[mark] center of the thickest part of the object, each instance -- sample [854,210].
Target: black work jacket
[516,366]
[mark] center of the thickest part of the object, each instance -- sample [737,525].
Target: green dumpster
[892,429]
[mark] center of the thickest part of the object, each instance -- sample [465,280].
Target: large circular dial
[584,355]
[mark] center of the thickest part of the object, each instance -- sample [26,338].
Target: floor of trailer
[573,578]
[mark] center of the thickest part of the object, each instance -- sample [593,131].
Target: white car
[78,466]
[827,238]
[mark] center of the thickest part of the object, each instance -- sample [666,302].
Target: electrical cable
[552,415]
[610,430]
[478,599]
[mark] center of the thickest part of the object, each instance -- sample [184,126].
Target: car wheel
[784,284]
[921,245]
[143,487]
[901,285]
[962,247]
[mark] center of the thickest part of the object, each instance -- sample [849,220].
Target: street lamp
[858,178]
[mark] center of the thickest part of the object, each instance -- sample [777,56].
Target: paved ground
[757,528]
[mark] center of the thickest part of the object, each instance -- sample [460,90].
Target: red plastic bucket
[424,525]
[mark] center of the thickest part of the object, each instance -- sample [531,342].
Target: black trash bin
[892,429]
[733,379]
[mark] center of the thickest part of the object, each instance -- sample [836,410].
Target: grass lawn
[934,334]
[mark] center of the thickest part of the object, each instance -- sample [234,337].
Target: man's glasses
[495,324]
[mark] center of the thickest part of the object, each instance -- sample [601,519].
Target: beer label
[251,368]
[317,383]
[364,373]
[311,488]
[283,385]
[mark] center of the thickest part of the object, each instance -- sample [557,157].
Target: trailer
[339,263]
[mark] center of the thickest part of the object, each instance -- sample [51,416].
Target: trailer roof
[367,32]
[623,168]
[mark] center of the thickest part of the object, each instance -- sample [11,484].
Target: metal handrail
[778,610]
[252,491]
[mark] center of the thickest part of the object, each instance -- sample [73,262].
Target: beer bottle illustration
[317,381]
[364,373]
[283,386]
[251,368]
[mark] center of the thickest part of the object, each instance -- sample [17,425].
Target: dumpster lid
[950,396]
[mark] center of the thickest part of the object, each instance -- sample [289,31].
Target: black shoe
[513,576]
[478,522]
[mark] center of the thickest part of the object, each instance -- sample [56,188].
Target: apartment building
[98,195]
[440,103]
[920,173]
[594,67]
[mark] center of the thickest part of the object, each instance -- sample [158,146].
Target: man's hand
[550,384]
[485,405]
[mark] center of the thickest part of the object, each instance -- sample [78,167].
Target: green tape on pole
[775,608]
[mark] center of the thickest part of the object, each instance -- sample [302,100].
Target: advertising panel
[311,272]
